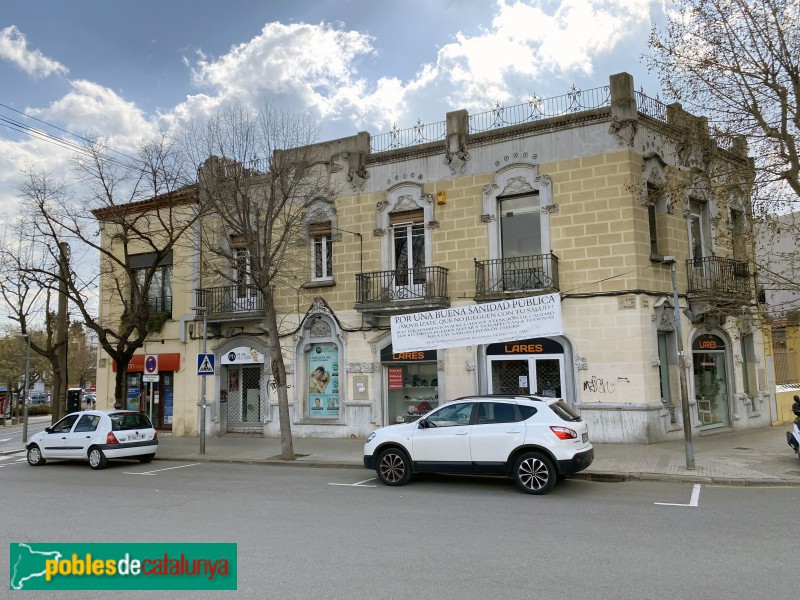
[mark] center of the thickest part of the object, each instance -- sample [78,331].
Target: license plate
[136,436]
[585,437]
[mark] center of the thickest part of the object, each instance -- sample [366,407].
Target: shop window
[750,386]
[322,363]
[413,388]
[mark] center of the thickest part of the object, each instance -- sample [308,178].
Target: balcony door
[408,244]
[520,242]
[698,244]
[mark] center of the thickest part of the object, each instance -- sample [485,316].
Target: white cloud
[314,66]
[91,109]
[14,49]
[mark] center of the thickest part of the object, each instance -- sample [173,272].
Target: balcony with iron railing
[422,288]
[503,277]
[717,277]
[230,300]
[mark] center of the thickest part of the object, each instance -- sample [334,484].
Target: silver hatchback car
[96,436]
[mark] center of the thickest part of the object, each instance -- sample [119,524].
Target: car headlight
[370,437]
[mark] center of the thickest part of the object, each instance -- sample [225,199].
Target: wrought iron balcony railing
[519,274]
[229,299]
[714,275]
[385,288]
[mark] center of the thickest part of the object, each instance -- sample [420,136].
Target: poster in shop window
[323,380]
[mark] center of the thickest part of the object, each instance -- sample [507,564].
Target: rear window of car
[526,412]
[132,420]
[564,411]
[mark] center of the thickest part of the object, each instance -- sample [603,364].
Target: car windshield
[129,420]
[564,411]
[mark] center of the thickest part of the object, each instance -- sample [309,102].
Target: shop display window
[412,390]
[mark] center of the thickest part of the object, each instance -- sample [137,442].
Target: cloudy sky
[123,70]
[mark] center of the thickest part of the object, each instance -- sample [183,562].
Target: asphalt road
[309,533]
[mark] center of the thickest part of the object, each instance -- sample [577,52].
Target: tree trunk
[279,375]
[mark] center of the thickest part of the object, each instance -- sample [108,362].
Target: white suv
[96,436]
[535,440]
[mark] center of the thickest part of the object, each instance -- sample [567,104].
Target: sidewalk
[754,457]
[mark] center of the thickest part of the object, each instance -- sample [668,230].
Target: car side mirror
[423,423]
[48,429]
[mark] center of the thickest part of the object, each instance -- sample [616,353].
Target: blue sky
[122,70]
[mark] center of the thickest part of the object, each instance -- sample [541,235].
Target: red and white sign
[395,378]
[151,367]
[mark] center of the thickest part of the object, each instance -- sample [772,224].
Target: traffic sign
[205,364]
[151,368]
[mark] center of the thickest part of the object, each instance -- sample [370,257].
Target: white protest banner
[502,321]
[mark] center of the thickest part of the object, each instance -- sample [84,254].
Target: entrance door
[251,396]
[510,377]
[409,260]
[540,375]
[711,389]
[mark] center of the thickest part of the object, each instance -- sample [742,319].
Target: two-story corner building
[594,195]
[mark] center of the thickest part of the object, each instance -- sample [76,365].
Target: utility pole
[60,382]
[687,419]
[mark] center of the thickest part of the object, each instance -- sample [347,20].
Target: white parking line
[159,470]
[693,502]
[359,484]
[10,456]
[6,439]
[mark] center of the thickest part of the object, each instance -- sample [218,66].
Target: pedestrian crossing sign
[205,364]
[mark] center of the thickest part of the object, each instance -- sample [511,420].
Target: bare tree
[738,61]
[259,204]
[145,208]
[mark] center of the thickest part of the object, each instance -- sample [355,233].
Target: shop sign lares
[323,380]
[61,566]
[506,320]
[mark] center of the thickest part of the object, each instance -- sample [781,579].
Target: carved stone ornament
[319,329]
[289,369]
[405,203]
[318,306]
[470,365]
[624,129]
[382,205]
[433,225]
[379,232]
[360,367]
[457,161]
[544,180]
[550,209]
[357,178]
[581,363]
[489,189]
[486,218]
[427,199]
[517,185]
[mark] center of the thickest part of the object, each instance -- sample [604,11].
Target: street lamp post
[202,403]
[687,421]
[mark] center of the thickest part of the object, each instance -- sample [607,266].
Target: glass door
[509,376]
[409,260]
[711,389]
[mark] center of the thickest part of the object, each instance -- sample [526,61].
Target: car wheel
[534,473]
[97,460]
[394,467]
[147,458]
[35,456]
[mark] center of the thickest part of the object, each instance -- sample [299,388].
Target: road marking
[359,484]
[10,456]
[159,470]
[693,502]
[6,440]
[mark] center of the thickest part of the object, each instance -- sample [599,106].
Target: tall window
[520,226]
[159,294]
[408,247]
[749,379]
[656,205]
[739,234]
[697,230]
[241,268]
[322,251]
